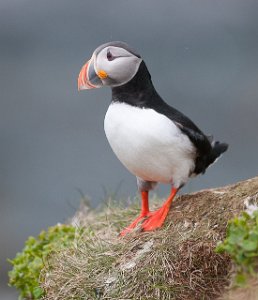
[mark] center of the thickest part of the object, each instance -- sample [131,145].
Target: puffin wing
[207,149]
[201,142]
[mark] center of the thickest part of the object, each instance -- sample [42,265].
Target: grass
[175,262]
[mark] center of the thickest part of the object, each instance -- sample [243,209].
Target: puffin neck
[138,91]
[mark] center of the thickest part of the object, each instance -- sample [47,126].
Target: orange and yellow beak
[88,78]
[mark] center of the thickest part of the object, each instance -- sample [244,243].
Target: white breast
[149,144]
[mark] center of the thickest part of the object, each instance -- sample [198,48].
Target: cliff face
[175,262]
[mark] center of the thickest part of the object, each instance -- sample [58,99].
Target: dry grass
[175,262]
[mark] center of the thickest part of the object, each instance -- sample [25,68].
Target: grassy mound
[175,262]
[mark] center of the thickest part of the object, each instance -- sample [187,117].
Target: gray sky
[202,55]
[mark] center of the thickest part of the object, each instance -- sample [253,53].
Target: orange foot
[156,219]
[134,224]
[151,220]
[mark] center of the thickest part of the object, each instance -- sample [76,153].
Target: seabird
[153,140]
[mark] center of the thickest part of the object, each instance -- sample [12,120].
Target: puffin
[154,141]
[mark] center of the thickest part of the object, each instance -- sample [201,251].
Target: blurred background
[203,57]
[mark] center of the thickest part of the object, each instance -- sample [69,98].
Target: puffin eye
[110,56]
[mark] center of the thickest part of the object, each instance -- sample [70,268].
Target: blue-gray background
[203,57]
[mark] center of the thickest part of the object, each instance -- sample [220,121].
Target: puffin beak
[88,78]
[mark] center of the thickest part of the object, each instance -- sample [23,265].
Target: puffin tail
[217,150]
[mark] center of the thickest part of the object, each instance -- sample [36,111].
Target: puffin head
[112,64]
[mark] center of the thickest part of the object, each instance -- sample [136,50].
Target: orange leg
[151,220]
[157,218]
[144,213]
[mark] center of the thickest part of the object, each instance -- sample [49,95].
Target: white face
[118,65]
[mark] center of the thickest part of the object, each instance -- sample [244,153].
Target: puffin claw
[136,223]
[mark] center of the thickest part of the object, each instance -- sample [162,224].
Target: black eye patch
[110,56]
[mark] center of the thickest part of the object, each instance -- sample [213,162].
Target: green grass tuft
[28,264]
[241,243]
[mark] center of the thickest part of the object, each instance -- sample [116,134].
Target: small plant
[28,264]
[241,243]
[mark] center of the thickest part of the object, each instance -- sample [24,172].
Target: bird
[154,141]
